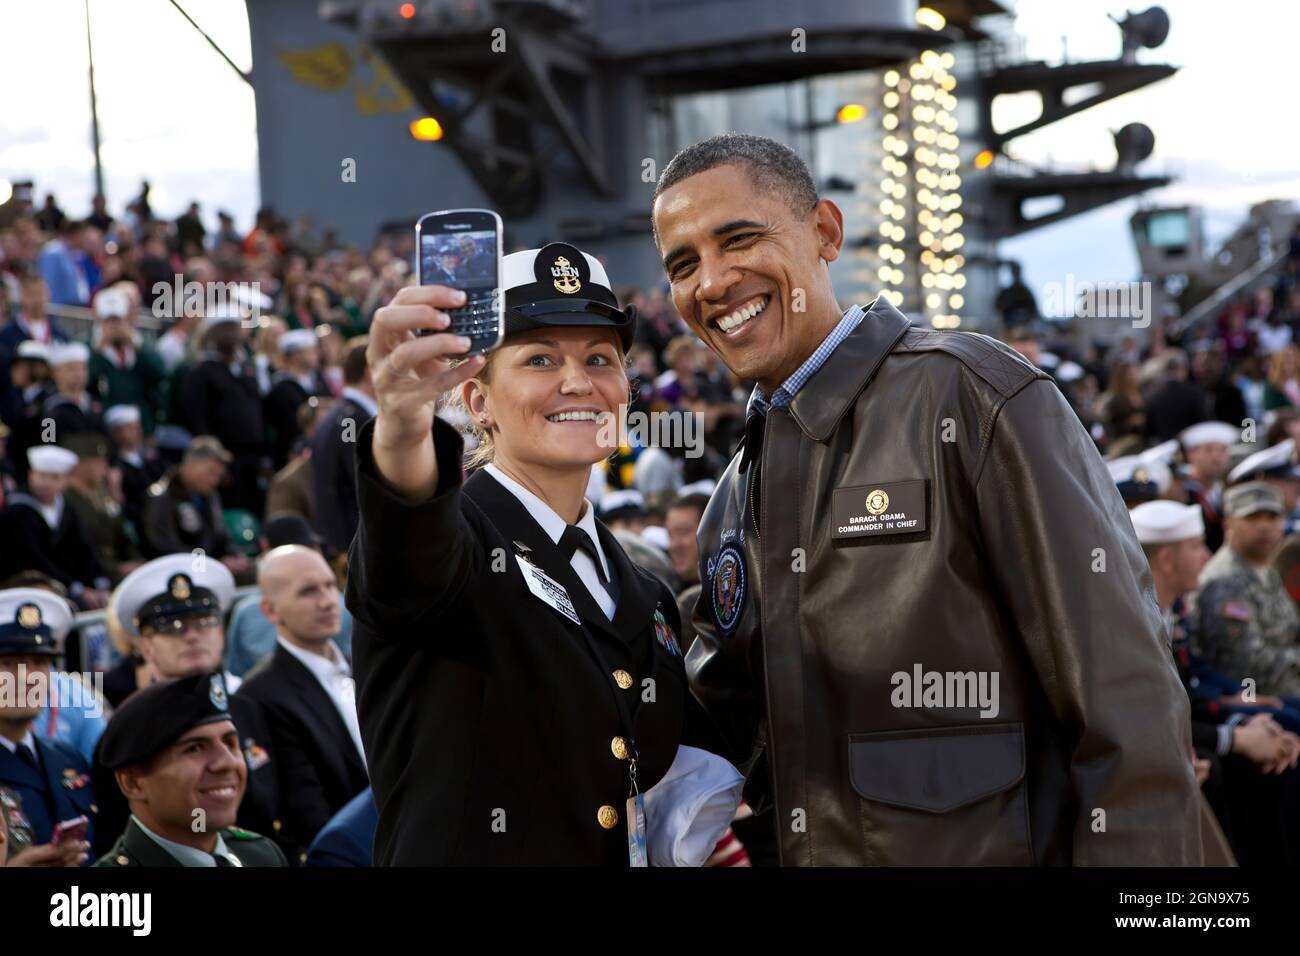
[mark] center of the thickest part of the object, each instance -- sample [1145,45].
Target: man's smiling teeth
[729,323]
[574,417]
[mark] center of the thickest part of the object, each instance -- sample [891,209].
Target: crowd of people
[190,474]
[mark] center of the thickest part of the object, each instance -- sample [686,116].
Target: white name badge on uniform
[548,589]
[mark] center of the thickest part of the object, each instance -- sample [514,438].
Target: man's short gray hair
[774,167]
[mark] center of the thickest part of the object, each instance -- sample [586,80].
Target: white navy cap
[1206,433]
[297,340]
[620,503]
[704,486]
[34,351]
[1164,522]
[121,415]
[172,585]
[1276,461]
[32,621]
[51,458]
[1133,475]
[656,535]
[61,353]
[112,304]
[559,285]
[222,313]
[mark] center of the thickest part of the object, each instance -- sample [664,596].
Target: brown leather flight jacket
[940,645]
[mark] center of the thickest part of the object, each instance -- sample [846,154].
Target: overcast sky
[173,111]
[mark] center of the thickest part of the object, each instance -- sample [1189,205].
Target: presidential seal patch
[727,585]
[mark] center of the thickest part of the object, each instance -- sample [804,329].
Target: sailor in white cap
[1277,466]
[1140,480]
[175,607]
[622,509]
[1207,446]
[29,379]
[68,409]
[42,532]
[1172,536]
[43,781]
[123,368]
[139,465]
[297,380]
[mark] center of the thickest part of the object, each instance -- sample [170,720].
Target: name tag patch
[547,589]
[868,511]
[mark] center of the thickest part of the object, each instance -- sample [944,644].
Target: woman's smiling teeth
[729,323]
[574,417]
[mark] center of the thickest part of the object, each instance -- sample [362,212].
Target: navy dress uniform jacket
[488,722]
[61,791]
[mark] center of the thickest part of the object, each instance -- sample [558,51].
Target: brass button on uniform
[607,817]
[121,860]
[623,678]
[619,746]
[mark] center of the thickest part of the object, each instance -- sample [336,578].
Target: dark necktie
[28,756]
[221,860]
[574,538]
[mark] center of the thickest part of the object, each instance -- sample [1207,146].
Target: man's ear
[128,781]
[268,609]
[829,223]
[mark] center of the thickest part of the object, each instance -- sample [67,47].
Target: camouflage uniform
[1247,624]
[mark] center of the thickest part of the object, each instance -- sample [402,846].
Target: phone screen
[461,249]
[462,260]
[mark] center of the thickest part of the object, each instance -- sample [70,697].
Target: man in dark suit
[306,691]
[218,395]
[43,782]
[333,451]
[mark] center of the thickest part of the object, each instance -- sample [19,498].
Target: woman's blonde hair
[455,398]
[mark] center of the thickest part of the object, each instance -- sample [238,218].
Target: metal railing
[1210,305]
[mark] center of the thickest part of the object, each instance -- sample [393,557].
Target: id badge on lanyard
[637,854]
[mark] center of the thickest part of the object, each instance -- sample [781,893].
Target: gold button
[94,808]
[619,746]
[623,678]
[121,860]
[607,817]
[275,825]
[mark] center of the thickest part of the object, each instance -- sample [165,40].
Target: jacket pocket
[951,796]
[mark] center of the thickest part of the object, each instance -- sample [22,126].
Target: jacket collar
[825,397]
[316,698]
[638,595]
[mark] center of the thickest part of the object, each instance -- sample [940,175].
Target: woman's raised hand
[409,373]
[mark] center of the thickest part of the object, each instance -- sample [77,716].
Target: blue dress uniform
[501,726]
[42,781]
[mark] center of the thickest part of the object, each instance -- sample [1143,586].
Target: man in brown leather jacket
[926,629]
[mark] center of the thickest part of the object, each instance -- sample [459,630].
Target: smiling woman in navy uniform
[518,677]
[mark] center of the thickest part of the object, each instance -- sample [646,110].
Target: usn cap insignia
[179,587]
[29,616]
